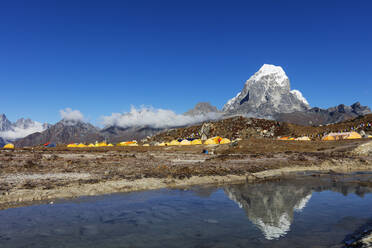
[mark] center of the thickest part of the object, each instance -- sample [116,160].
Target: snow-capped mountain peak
[276,72]
[5,124]
[19,129]
[265,94]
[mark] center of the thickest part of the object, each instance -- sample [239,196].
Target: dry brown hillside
[240,127]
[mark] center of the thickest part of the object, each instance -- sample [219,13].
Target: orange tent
[341,136]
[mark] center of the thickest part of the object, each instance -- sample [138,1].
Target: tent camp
[91,145]
[341,136]
[81,145]
[72,145]
[9,146]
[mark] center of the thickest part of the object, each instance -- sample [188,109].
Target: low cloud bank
[156,118]
[19,132]
[71,115]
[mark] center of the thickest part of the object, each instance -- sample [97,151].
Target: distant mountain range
[318,116]
[266,94]
[10,131]
[64,131]
[68,131]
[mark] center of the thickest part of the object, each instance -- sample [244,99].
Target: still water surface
[302,212]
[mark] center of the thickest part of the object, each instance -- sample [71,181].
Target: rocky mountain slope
[202,108]
[246,128]
[265,94]
[5,124]
[64,131]
[318,116]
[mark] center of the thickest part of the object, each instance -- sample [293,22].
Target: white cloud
[19,132]
[71,115]
[157,118]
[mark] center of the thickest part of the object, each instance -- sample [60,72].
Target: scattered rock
[363,150]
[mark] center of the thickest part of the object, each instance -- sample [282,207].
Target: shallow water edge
[25,197]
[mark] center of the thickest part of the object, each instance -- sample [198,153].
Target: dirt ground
[37,174]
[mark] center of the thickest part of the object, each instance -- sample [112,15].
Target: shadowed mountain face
[271,205]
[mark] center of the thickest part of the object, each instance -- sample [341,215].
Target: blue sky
[102,57]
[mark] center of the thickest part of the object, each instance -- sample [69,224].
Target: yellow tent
[370,136]
[343,135]
[353,135]
[328,138]
[161,144]
[225,141]
[213,141]
[174,143]
[196,142]
[91,145]
[145,145]
[185,143]
[133,144]
[303,138]
[127,143]
[110,144]
[82,145]
[100,144]
[9,146]
[71,145]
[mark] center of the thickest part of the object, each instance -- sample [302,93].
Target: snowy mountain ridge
[21,128]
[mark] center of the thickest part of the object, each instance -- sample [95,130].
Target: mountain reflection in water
[284,213]
[271,205]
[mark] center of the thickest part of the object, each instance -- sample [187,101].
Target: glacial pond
[293,212]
